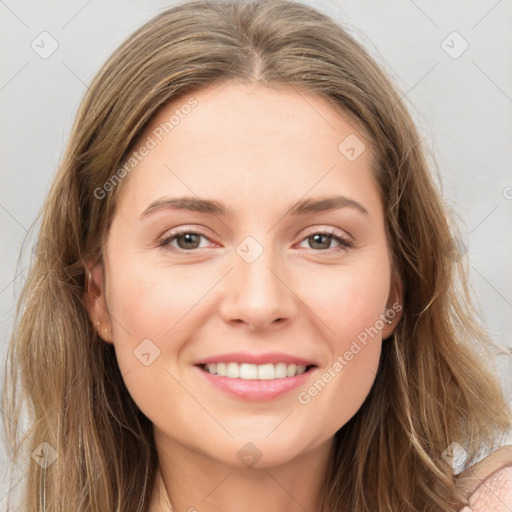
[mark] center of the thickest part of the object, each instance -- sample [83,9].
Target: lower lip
[256,390]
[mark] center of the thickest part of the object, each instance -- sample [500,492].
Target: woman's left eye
[188,241]
[320,237]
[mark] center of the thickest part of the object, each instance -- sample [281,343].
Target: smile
[248,371]
[255,382]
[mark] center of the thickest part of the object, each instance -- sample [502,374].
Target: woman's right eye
[186,241]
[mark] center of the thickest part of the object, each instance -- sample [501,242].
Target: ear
[394,305]
[95,301]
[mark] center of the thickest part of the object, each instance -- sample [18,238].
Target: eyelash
[345,243]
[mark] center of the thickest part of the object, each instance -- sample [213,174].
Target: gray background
[462,104]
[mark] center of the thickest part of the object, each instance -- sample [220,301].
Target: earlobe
[95,300]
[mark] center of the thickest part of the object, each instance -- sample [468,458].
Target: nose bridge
[254,270]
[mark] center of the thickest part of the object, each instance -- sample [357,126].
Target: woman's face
[240,273]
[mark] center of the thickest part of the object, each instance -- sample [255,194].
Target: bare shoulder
[488,484]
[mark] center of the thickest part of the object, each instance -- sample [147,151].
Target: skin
[258,150]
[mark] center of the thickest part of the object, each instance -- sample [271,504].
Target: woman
[316,350]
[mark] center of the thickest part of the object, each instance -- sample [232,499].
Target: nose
[259,294]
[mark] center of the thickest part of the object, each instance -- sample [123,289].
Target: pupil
[325,244]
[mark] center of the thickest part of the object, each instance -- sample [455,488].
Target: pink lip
[256,390]
[246,357]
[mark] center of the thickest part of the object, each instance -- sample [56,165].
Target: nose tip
[257,296]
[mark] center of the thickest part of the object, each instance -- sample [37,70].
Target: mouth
[255,382]
[248,371]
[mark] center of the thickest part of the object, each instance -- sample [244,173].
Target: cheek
[149,312]
[155,313]
[155,298]
[141,309]
[349,301]
[350,306]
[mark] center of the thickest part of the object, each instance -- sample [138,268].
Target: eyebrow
[212,207]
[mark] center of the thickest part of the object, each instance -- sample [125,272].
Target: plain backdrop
[451,59]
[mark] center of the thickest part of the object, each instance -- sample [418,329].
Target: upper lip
[259,359]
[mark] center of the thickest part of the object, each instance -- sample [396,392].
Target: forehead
[249,141]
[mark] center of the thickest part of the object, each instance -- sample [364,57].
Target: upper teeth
[255,371]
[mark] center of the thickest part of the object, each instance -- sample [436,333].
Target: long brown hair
[435,385]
